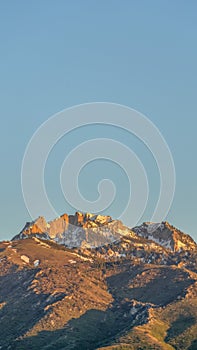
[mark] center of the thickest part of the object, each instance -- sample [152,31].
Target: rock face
[137,292]
[90,230]
[37,227]
[165,235]
[58,226]
[25,258]
[74,230]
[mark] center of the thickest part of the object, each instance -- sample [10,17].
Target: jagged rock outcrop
[91,230]
[58,226]
[165,235]
[37,227]
[74,230]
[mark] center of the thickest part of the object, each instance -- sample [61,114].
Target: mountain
[87,281]
[76,230]
[165,235]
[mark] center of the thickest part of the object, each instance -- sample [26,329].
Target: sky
[58,54]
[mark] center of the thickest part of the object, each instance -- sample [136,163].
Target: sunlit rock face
[36,227]
[165,235]
[74,230]
[91,230]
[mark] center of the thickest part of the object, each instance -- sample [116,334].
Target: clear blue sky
[56,54]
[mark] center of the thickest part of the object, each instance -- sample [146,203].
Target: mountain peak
[92,230]
[74,230]
[165,235]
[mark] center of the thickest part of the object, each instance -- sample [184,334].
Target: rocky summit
[86,281]
[75,230]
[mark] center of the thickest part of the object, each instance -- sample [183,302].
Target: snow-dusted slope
[79,230]
[90,231]
[165,235]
